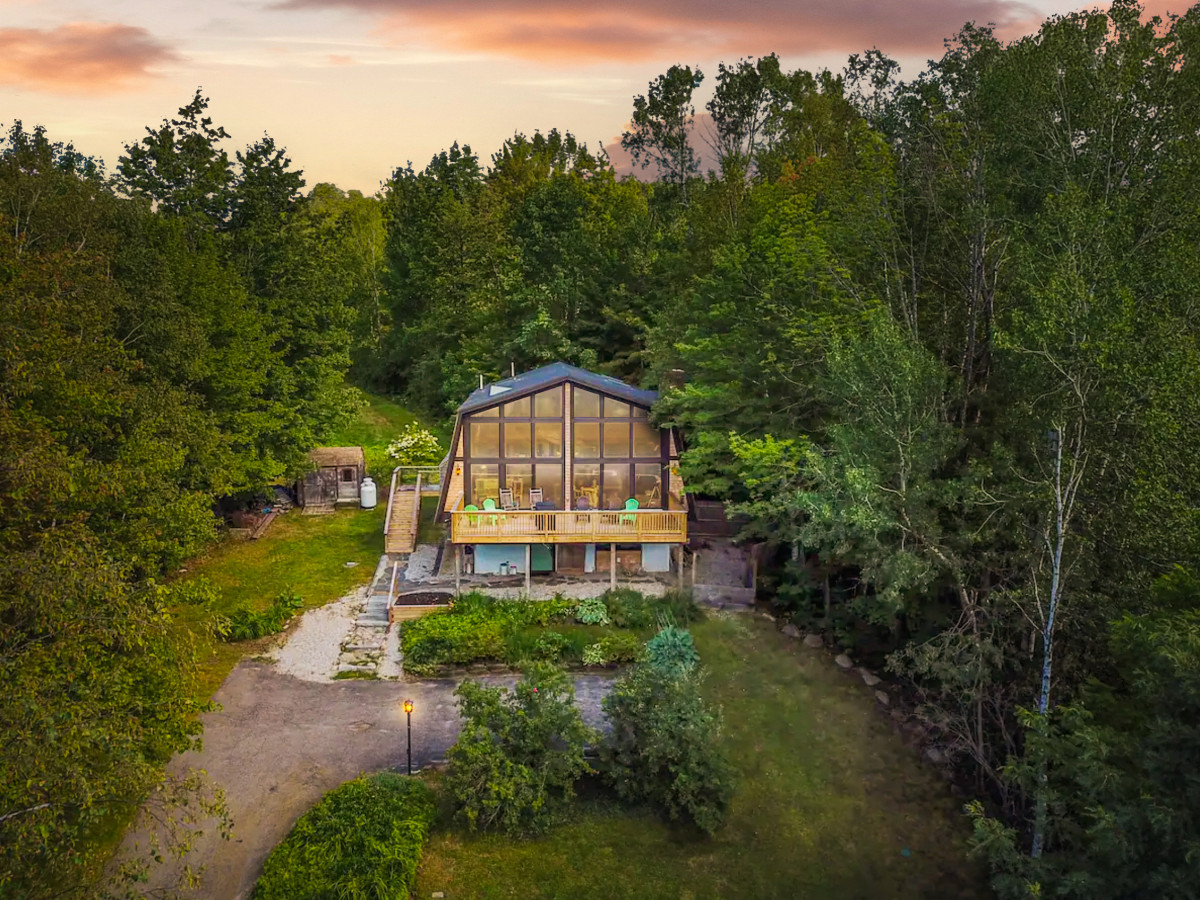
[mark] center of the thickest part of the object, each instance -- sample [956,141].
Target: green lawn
[379,422]
[830,804]
[307,554]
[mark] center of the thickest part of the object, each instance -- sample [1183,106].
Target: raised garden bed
[414,604]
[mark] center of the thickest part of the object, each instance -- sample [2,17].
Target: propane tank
[367,497]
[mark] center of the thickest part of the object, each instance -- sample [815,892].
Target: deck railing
[529,526]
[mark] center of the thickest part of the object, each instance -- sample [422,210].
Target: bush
[664,747]
[443,638]
[591,612]
[612,648]
[550,646]
[628,608]
[519,753]
[416,446]
[363,841]
[244,624]
[672,651]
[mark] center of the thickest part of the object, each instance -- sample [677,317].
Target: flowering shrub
[416,446]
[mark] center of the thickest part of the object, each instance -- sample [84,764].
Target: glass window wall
[485,440]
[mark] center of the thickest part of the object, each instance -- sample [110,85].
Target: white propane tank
[366,494]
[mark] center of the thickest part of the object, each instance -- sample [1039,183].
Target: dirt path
[279,743]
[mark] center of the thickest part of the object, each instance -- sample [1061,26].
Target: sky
[355,88]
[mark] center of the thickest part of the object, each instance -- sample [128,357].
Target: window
[548,404]
[587,440]
[485,483]
[517,408]
[587,404]
[347,474]
[647,484]
[640,412]
[492,412]
[616,439]
[647,440]
[484,440]
[585,478]
[549,477]
[518,478]
[615,409]
[615,489]
[516,440]
[548,440]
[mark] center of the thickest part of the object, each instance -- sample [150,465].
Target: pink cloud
[79,57]
[625,30]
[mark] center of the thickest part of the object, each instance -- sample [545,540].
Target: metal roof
[528,382]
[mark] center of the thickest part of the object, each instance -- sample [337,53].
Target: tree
[662,121]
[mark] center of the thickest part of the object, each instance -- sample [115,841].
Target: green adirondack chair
[472,520]
[489,505]
[630,505]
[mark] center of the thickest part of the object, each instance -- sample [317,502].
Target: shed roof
[546,376]
[338,456]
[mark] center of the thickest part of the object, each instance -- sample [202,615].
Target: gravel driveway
[279,743]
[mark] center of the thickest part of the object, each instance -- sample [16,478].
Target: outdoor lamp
[408,708]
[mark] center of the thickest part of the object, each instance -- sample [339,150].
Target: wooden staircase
[403,515]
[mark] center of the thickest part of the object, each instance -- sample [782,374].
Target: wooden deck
[527,526]
[404,512]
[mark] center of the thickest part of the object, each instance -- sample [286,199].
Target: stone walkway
[279,743]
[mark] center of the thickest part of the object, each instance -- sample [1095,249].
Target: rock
[351,565]
[791,630]
[870,679]
[763,613]
[844,661]
[438,895]
[881,697]
[814,641]
[935,756]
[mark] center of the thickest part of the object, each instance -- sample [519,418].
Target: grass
[307,554]
[379,422]
[828,802]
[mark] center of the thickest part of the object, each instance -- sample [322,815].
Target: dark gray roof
[527,382]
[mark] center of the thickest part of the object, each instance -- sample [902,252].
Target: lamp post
[408,708]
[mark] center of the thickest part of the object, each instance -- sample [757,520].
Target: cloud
[557,31]
[80,57]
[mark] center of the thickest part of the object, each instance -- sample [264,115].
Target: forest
[936,339]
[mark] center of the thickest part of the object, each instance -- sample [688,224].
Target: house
[335,478]
[560,470]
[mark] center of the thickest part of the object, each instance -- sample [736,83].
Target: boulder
[881,697]
[844,661]
[814,641]
[791,630]
[870,679]
[935,756]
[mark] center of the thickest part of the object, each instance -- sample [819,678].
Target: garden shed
[335,478]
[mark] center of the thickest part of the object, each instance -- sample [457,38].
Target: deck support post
[695,562]
[457,569]
[529,570]
[679,563]
[612,566]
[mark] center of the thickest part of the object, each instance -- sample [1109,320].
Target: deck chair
[630,505]
[489,505]
[535,497]
[506,499]
[471,520]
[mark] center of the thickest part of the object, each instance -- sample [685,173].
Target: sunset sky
[354,88]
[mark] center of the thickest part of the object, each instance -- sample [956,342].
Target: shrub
[519,753]
[628,608]
[592,612]
[593,655]
[244,624]
[443,638]
[664,747]
[363,841]
[672,651]
[550,646]
[416,446]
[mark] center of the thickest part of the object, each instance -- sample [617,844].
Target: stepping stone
[870,679]
[844,661]
[813,640]
[791,630]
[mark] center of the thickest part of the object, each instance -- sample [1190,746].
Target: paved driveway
[279,743]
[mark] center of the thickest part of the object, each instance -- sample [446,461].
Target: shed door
[347,488]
